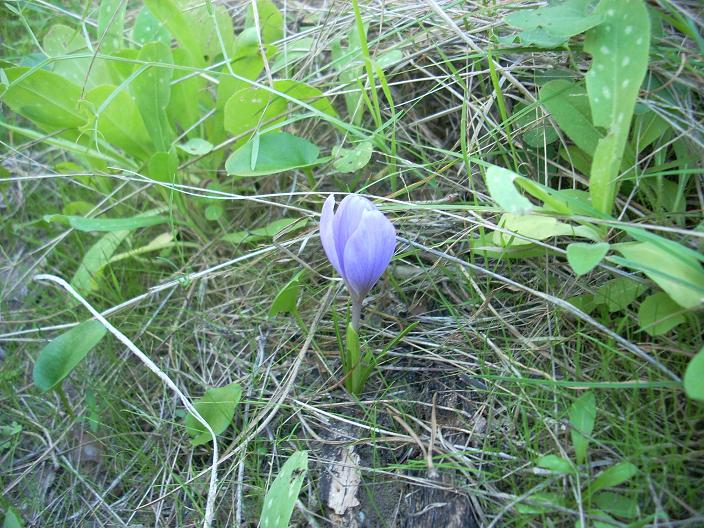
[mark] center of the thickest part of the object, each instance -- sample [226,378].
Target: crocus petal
[326,232]
[347,219]
[368,252]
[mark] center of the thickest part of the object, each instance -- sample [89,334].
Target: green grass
[487,376]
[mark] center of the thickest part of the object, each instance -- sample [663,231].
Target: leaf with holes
[585,257]
[283,493]
[658,314]
[58,358]
[619,48]
[582,417]
[217,407]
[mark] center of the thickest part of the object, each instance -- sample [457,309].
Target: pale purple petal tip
[326,233]
[368,252]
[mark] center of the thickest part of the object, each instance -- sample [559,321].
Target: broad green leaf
[555,463]
[122,66]
[147,28]
[536,227]
[348,62]
[43,97]
[263,233]
[277,152]
[249,108]
[618,294]
[162,166]
[283,493]
[285,301]
[616,504]
[183,108]
[111,24]
[61,42]
[292,51]
[203,18]
[611,477]
[217,407]
[694,377]
[77,208]
[351,160]
[568,104]
[246,62]
[658,314]
[535,130]
[647,129]
[389,58]
[196,147]
[619,48]
[58,358]
[12,519]
[582,417]
[585,257]
[152,91]
[584,302]
[680,276]
[271,21]
[162,241]
[176,21]
[85,280]
[540,502]
[214,212]
[676,249]
[118,121]
[504,192]
[553,25]
[107,224]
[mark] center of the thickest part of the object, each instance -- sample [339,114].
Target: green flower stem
[64,401]
[354,376]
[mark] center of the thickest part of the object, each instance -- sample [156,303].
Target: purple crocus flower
[359,242]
